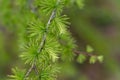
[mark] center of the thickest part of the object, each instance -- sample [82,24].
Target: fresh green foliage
[93,59]
[19,74]
[100,58]
[44,39]
[81,58]
[80,3]
[89,49]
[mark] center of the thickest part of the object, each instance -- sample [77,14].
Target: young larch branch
[41,45]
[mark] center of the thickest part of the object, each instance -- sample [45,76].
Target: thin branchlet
[41,45]
[45,33]
[36,70]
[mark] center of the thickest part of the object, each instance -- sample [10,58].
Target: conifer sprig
[33,66]
[43,35]
[47,40]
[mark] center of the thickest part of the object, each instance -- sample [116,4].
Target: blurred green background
[96,24]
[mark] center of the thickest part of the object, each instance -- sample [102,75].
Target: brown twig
[85,53]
